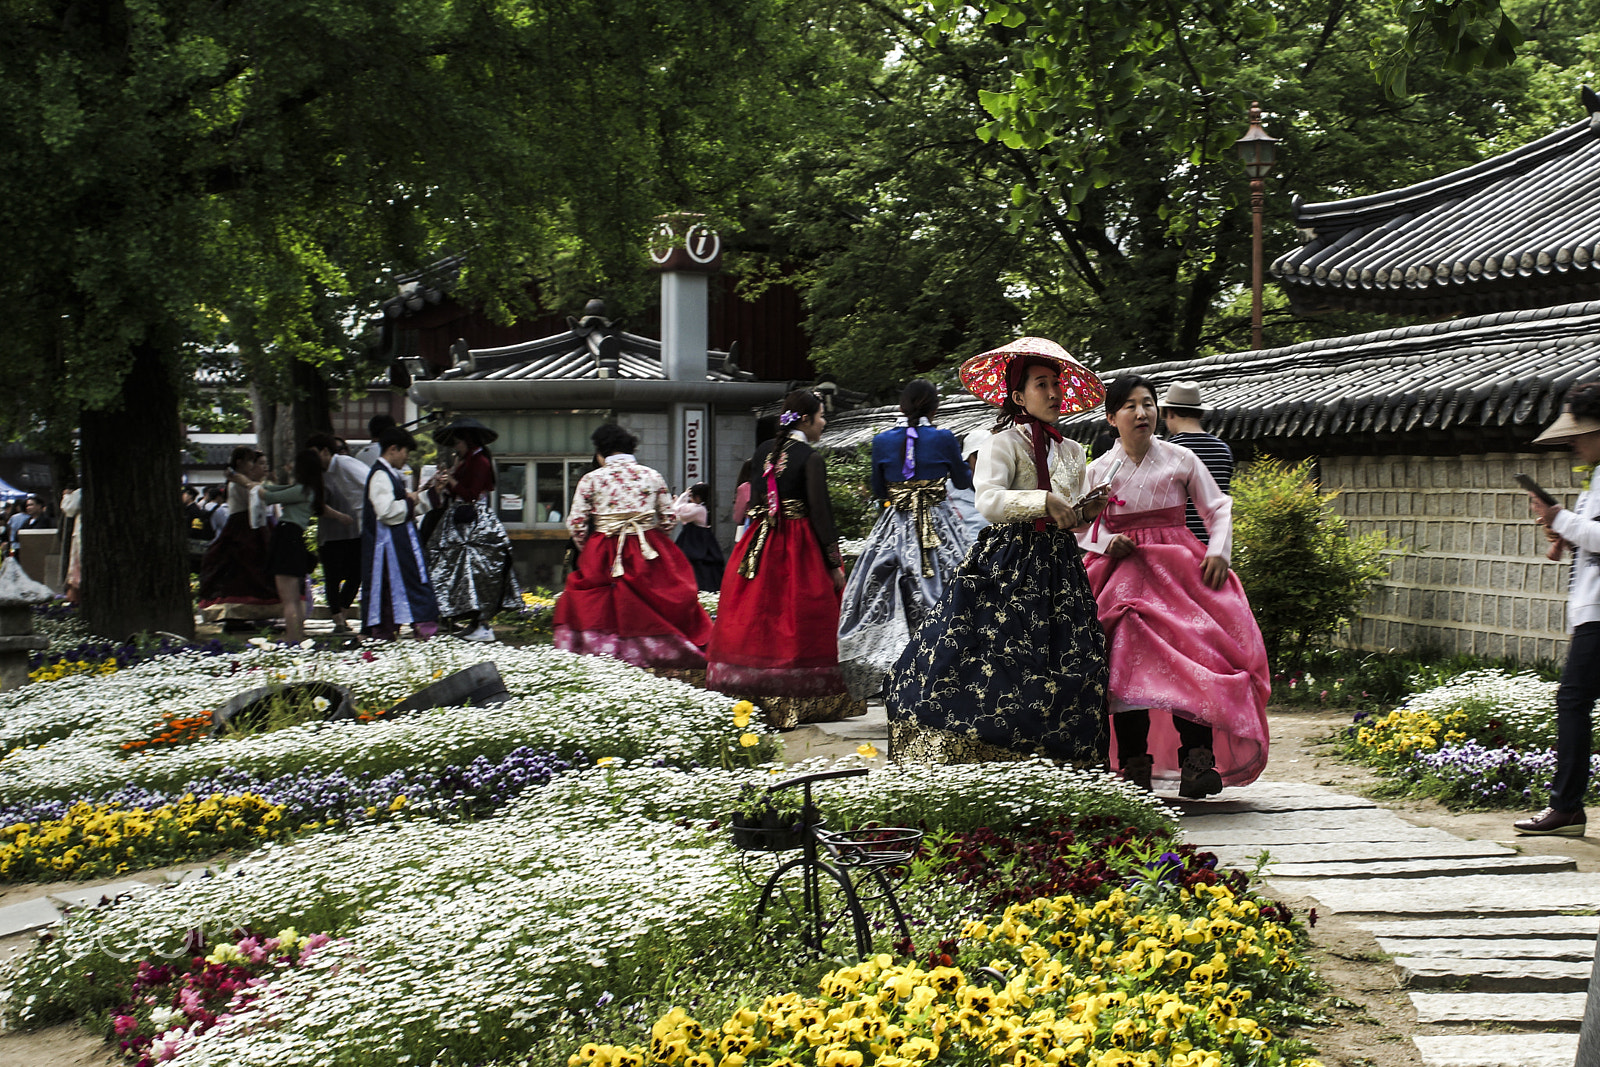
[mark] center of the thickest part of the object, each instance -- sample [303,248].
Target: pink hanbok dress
[1176,646]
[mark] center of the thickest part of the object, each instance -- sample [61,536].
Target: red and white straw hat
[985,375]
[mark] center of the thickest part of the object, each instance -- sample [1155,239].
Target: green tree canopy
[184,172]
[988,175]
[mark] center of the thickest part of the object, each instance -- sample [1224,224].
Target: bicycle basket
[871,846]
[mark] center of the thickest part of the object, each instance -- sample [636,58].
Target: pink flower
[1324,696]
[368,656]
[254,950]
[189,1001]
[314,942]
[270,944]
[125,1024]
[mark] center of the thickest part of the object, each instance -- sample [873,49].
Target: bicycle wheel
[812,904]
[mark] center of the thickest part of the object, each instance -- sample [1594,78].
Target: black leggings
[1133,734]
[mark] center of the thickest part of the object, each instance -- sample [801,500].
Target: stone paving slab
[89,898]
[1540,926]
[1472,894]
[1574,949]
[1343,819]
[1527,1008]
[1361,852]
[1498,1050]
[27,916]
[1440,865]
[1269,796]
[1493,975]
[1361,836]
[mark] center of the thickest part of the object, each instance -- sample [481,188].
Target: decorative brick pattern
[1471,576]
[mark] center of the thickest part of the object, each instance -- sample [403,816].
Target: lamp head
[1256,147]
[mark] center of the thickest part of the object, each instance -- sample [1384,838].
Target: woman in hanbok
[697,539]
[777,639]
[633,594]
[1189,680]
[1011,662]
[469,551]
[915,545]
[236,586]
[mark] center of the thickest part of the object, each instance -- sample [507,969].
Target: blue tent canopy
[9,491]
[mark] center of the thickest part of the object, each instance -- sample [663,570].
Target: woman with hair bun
[915,545]
[1189,680]
[1011,662]
[633,594]
[778,616]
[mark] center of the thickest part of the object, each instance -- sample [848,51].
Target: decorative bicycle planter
[816,899]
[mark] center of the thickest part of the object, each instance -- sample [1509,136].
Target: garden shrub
[850,492]
[1304,573]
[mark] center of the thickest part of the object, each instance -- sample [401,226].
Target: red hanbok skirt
[650,616]
[777,633]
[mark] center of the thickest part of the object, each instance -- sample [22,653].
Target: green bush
[1304,573]
[850,491]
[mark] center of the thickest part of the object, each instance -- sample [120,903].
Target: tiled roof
[576,356]
[1515,231]
[1504,373]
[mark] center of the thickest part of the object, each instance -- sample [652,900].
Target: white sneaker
[482,633]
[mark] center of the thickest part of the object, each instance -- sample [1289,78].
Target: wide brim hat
[985,375]
[1183,395]
[1568,425]
[446,434]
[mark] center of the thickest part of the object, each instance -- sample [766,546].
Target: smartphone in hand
[1538,491]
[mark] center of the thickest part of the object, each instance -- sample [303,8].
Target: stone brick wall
[1472,577]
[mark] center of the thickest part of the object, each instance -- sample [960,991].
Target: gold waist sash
[918,498]
[761,529]
[622,524]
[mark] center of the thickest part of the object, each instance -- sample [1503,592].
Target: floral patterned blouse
[624,486]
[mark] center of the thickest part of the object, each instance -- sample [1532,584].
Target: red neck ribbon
[1043,434]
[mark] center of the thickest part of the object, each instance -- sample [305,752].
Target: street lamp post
[1256,150]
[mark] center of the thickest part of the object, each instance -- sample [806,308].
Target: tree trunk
[135,555]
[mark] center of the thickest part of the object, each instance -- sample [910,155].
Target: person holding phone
[1576,528]
[1011,661]
[1189,678]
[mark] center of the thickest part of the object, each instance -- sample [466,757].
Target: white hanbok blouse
[1168,475]
[1006,484]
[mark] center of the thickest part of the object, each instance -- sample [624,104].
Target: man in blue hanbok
[394,579]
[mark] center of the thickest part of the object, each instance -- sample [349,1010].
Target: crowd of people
[1012,597]
[255,558]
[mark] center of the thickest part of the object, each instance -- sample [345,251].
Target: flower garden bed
[1483,739]
[549,880]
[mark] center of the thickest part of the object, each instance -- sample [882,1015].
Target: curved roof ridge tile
[1340,213]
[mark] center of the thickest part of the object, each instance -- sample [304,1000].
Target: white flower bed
[1524,702]
[61,739]
[456,936]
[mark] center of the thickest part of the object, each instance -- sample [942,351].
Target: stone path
[1479,935]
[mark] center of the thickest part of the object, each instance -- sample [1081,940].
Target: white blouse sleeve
[386,507]
[1095,537]
[998,463]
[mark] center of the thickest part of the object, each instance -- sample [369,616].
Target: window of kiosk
[537,492]
[551,492]
[511,486]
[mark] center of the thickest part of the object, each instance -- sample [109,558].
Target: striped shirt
[1218,458]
